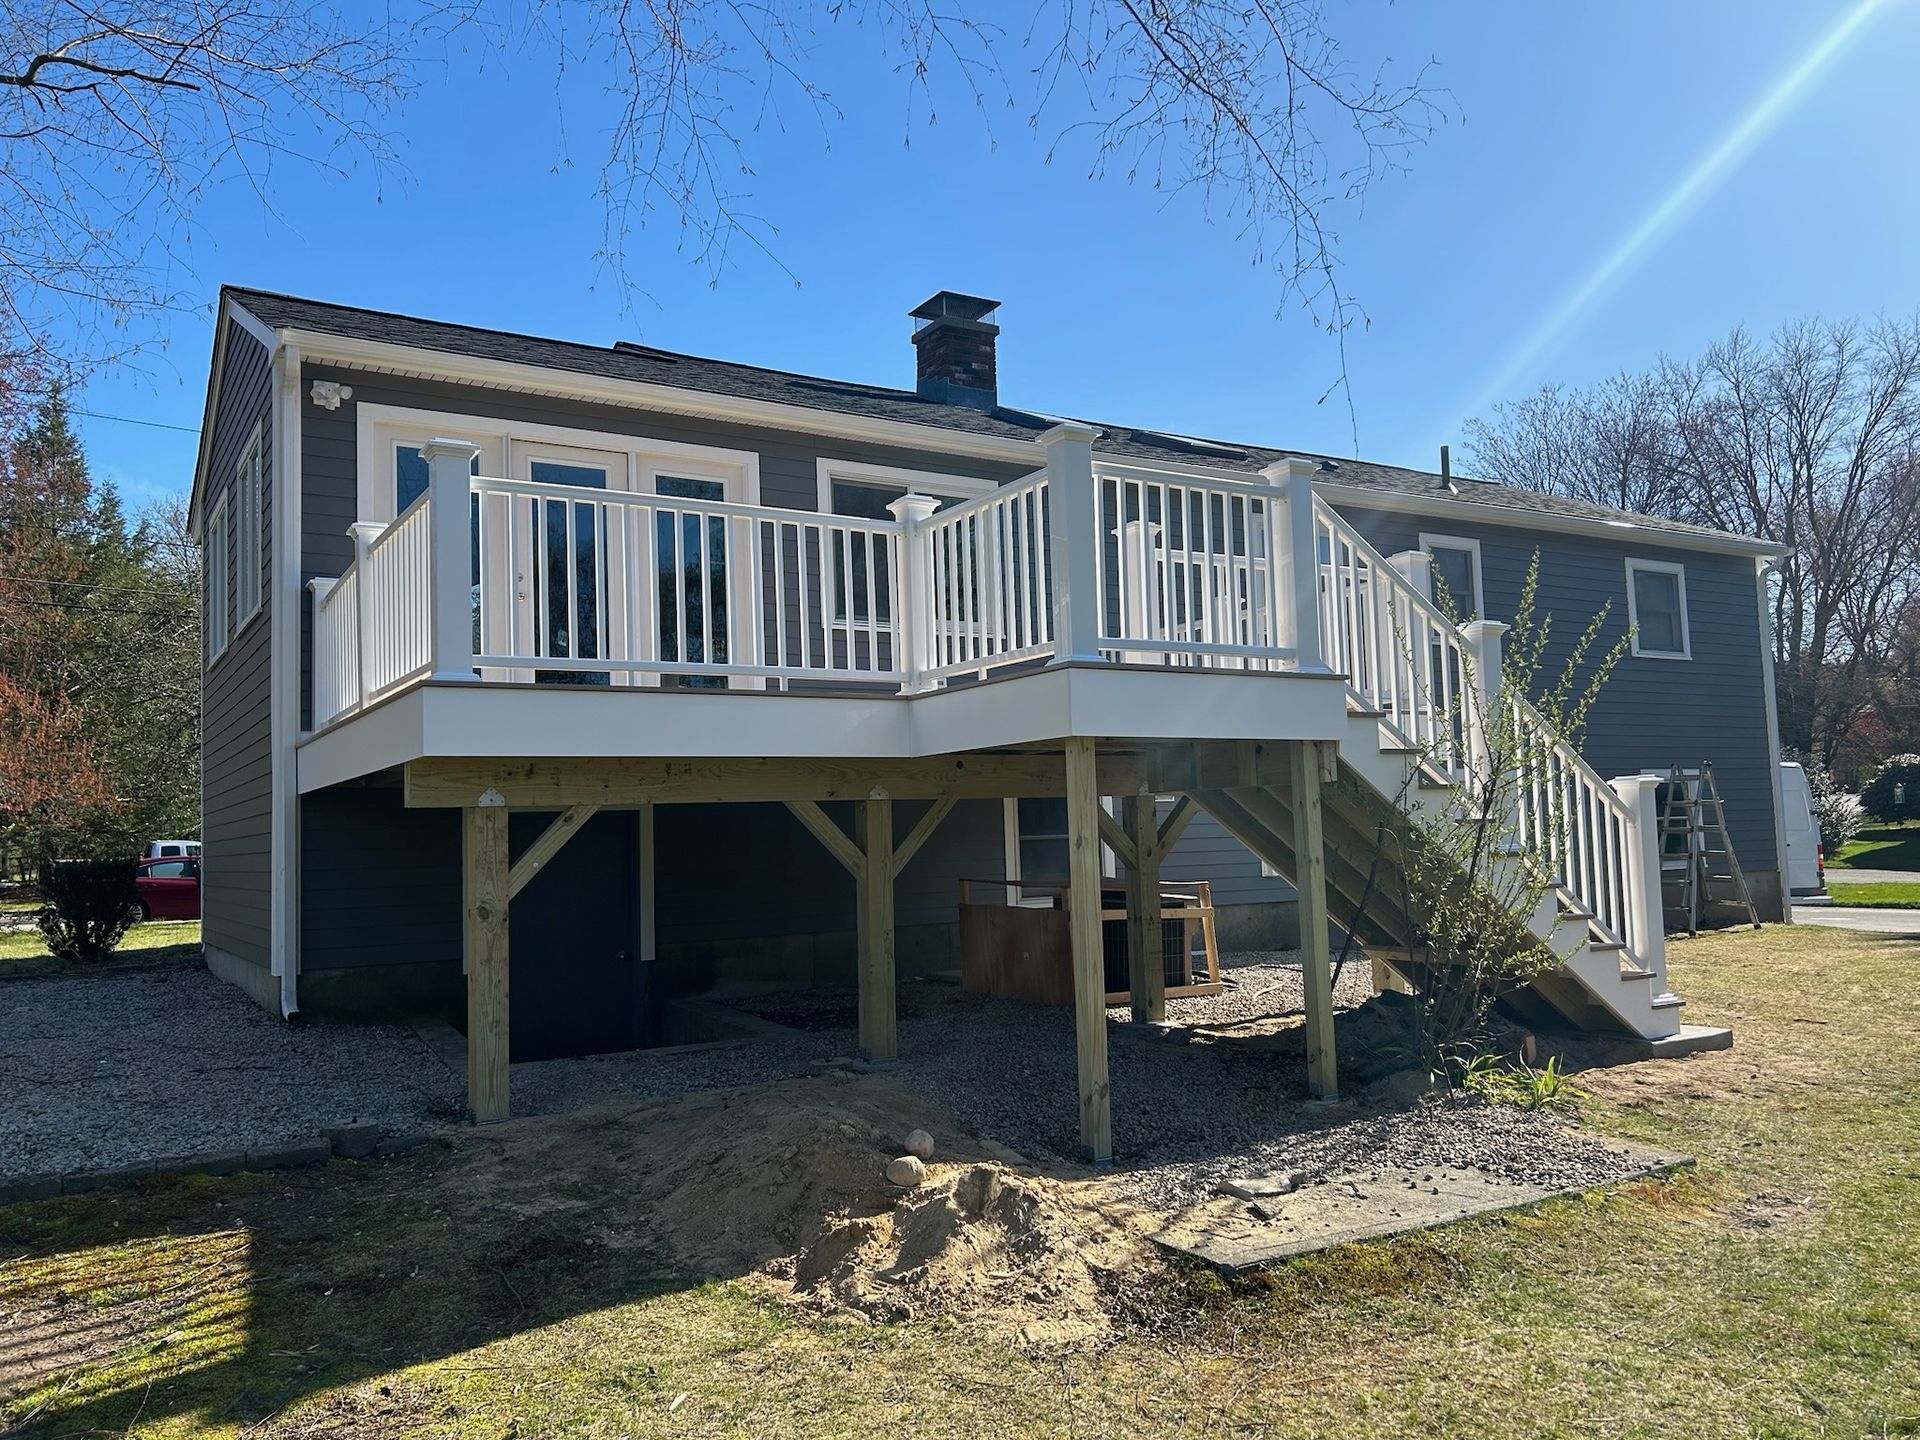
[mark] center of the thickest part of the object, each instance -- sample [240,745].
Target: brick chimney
[953,337]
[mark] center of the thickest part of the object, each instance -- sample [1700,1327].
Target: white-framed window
[248,482]
[1039,849]
[862,491]
[215,599]
[1657,609]
[1456,573]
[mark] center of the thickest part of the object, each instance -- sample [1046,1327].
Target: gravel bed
[1258,984]
[105,1070]
[1186,1116]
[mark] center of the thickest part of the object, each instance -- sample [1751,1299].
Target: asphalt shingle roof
[651,366]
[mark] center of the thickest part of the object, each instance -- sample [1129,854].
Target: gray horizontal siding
[1207,852]
[1652,713]
[236,766]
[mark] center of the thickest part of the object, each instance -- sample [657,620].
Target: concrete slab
[1846,917]
[1588,1048]
[1233,1235]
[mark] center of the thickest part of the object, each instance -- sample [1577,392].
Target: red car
[169,888]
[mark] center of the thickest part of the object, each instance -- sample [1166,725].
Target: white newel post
[1416,568]
[1299,561]
[364,533]
[1482,709]
[449,486]
[915,621]
[1646,935]
[1073,532]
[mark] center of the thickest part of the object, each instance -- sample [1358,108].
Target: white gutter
[1620,532]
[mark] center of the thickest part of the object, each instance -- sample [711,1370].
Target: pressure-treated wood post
[914,624]
[449,492]
[485,848]
[873,886]
[1073,540]
[1146,945]
[1089,956]
[1310,881]
[1292,480]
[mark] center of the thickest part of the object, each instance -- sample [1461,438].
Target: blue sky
[1574,130]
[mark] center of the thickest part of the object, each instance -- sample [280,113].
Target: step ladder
[1701,869]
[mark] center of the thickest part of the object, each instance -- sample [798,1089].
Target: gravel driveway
[105,1070]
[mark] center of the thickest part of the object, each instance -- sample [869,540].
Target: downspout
[284,677]
[1762,568]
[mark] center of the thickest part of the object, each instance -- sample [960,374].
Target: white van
[172,849]
[1806,861]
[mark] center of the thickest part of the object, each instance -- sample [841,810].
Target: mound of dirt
[788,1182]
[1011,1250]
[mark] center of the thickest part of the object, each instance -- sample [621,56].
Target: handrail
[1401,653]
[1405,659]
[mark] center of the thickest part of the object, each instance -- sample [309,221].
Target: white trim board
[924,482]
[1047,705]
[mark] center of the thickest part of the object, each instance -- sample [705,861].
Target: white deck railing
[623,588]
[1190,569]
[560,583]
[989,598]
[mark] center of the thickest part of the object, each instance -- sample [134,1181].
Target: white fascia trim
[1679,573]
[284,682]
[924,482]
[229,310]
[642,395]
[1622,532]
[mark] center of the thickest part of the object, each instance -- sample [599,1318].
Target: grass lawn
[1881,895]
[1770,1293]
[1880,847]
[24,952]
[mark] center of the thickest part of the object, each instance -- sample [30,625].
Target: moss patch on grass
[1769,1293]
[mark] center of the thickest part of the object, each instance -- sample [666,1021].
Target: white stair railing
[1406,660]
[1400,653]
